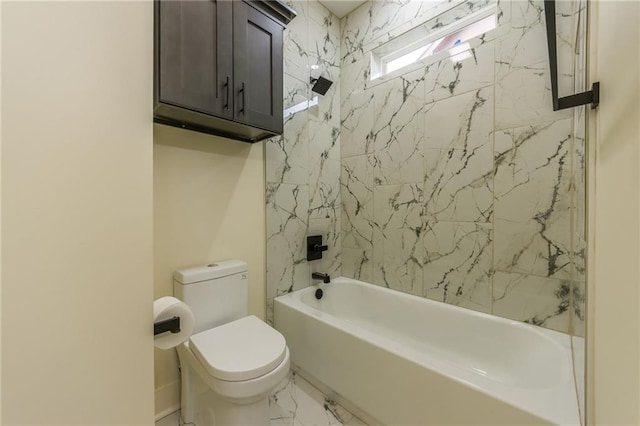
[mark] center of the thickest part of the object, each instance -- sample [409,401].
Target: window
[415,46]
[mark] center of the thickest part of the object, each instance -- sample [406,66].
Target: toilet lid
[240,350]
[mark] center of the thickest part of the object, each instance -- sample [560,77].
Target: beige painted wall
[77,213]
[613,358]
[0,211]
[209,204]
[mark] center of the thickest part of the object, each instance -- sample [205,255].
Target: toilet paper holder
[171,324]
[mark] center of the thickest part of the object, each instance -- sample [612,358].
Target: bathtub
[397,359]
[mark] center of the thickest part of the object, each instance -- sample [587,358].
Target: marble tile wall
[580,175]
[455,182]
[458,181]
[303,166]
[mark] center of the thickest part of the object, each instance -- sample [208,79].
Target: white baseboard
[167,399]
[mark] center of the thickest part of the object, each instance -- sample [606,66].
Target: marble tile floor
[295,402]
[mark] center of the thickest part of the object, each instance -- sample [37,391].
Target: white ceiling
[341,7]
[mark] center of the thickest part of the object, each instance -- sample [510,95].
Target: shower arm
[592,96]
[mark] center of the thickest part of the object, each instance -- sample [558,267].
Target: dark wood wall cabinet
[218,66]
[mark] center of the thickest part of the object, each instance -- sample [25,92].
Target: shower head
[320,85]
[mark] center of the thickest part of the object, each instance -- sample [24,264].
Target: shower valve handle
[317,248]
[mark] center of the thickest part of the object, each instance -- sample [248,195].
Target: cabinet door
[257,68]
[196,55]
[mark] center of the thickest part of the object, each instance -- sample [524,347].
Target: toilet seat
[241,350]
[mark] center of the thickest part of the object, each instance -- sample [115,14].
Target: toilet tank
[216,293]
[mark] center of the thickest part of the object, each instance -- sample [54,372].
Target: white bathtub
[402,359]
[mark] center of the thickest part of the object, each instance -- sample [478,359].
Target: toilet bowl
[220,388]
[229,367]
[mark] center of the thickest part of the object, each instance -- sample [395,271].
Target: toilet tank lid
[209,272]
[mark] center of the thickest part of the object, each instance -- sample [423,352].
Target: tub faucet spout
[324,277]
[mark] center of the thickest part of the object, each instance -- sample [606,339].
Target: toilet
[232,361]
